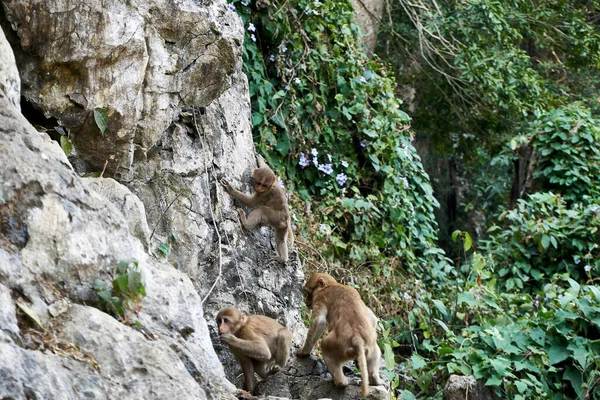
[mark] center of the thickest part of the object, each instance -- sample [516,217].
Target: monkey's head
[315,283]
[230,320]
[263,178]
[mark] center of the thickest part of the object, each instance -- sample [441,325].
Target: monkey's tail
[290,236]
[362,366]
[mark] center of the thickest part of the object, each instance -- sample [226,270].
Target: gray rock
[466,387]
[368,18]
[59,236]
[10,83]
[140,60]
[308,379]
[8,313]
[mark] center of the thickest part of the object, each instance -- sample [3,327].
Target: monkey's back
[276,200]
[347,315]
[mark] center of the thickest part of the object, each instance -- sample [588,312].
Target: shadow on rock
[308,379]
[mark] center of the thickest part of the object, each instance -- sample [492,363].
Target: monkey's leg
[373,366]
[257,216]
[335,369]
[262,369]
[282,249]
[248,369]
[284,342]
[317,326]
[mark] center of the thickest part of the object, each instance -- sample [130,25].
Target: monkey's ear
[321,282]
[244,319]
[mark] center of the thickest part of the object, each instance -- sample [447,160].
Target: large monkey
[259,343]
[269,207]
[351,327]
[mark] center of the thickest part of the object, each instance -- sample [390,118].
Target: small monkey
[351,327]
[269,207]
[259,343]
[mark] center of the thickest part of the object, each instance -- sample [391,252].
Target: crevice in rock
[37,118]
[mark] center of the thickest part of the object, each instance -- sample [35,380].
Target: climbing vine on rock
[326,117]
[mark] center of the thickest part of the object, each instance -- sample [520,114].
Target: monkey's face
[262,180]
[229,321]
[315,283]
[309,290]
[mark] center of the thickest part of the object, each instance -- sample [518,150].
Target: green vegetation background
[507,101]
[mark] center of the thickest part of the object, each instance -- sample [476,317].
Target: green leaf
[66,145]
[545,241]
[406,395]
[468,241]
[101,118]
[135,280]
[441,307]
[417,361]
[573,375]
[165,249]
[105,295]
[455,235]
[100,285]
[521,386]
[493,380]
[121,283]
[468,299]
[388,356]
[558,353]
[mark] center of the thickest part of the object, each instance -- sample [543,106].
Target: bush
[544,236]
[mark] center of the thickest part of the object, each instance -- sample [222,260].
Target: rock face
[368,17]
[139,60]
[465,387]
[307,378]
[57,235]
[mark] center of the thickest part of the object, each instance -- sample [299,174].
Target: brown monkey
[351,327]
[259,343]
[269,207]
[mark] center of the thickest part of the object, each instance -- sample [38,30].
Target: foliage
[327,117]
[568,149]
[101,119]
[125,293]
[544,236]
[543,344]
[485,70]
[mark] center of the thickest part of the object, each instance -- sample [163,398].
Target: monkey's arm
[255,349]
[248,201]
[317,326]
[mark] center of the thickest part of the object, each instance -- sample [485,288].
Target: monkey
[351,326]
[269,206]
[259,343]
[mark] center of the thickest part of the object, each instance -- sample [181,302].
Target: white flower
[587,268]
[253,37]
[297,81]
[251,27]
[314,152]
[323,227]
[344,164]
[230,7]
